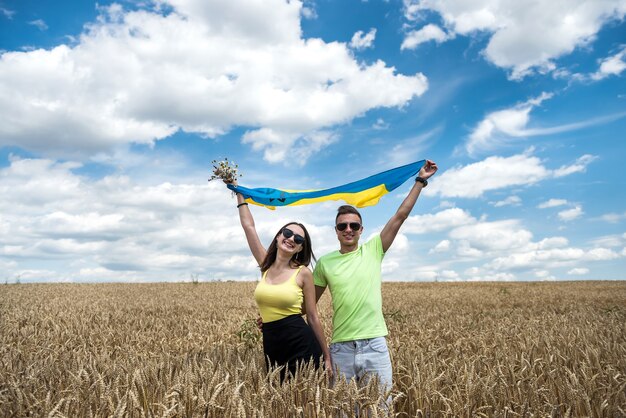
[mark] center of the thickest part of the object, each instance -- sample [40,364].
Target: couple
[353,274]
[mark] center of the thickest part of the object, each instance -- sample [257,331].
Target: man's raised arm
[389,232]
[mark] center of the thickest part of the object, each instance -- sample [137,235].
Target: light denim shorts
[362,358]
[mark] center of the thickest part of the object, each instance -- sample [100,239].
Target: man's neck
[348,248]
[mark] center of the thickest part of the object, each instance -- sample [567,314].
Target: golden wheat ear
[178,349]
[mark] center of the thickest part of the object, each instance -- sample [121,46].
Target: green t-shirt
[354,280]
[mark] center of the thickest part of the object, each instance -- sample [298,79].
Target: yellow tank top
[278,301]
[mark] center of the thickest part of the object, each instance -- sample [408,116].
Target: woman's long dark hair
[301,258]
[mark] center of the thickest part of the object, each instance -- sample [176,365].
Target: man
[353,274]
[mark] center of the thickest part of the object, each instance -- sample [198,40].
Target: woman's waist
[295,319]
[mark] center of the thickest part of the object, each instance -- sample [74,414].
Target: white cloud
[525,36]
[600,120]
[278,145]
[613,217]
[578,271]
[449,275]
[407,150]
[548,258]
[428,33]
[505,246]
[206,67]
[465,250]
[476,274]
[441,221]
[609,241]
[125,231]
[39,24]
[509,201]
[599,254]
[493,173]
[536,258]
[445,204]
[309,12]
[425,275]
[544,275]
[7,13]
[430,273]
[361,40]
[571,214]
[442,247]
[511,122]
[117,229]
[502,127]
[547,243]
[493,236]
[380,125]
[60,226]
[613,65]
[580,166]
[552,203]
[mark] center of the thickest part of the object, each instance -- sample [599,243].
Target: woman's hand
[225,170]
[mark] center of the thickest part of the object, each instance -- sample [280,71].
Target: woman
[286,283]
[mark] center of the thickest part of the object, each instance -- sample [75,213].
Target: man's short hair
[345,209]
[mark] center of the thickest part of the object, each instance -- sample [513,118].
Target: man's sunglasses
[355,226]
[288,233]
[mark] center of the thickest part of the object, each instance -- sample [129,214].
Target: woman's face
[289,244]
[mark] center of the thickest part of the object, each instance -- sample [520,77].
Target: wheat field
[192,350]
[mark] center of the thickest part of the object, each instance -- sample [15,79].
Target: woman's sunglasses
[355,226]
[288,233]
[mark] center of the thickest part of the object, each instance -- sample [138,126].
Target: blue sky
[113,112]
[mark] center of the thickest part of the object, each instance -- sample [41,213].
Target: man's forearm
[389,232]
[409,202]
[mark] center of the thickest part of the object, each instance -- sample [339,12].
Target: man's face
[348,236]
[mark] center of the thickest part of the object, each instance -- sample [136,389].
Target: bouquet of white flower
[225,170]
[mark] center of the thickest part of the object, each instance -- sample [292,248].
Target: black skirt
[288,342]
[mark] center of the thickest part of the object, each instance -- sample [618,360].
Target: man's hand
[328,365]
[259,323]
[428,169]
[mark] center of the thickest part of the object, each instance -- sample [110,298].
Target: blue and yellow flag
[366,192]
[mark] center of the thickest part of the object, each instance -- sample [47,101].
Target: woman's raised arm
[247,222]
